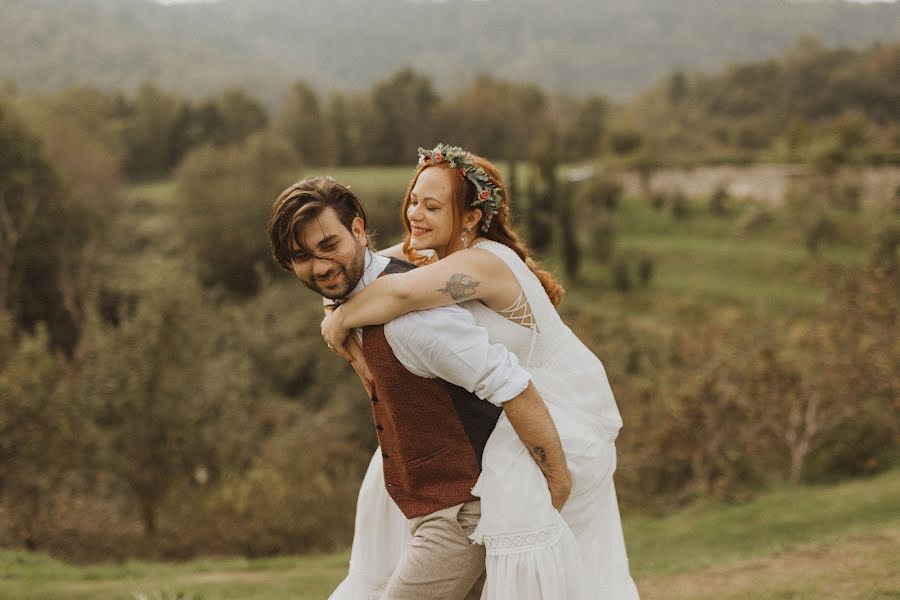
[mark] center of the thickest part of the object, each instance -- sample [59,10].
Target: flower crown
[487,193]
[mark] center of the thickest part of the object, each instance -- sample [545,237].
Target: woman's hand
[335,333]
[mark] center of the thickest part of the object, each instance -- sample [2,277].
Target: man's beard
[351,271]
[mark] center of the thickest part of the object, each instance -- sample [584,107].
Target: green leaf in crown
[487,194]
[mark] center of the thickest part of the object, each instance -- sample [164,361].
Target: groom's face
[332,258]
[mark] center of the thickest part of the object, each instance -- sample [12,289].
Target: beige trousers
[440,562]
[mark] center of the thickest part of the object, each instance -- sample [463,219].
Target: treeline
[810,105]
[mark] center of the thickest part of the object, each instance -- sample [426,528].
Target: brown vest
[432,433]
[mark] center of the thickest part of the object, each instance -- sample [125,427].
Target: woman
[456,210]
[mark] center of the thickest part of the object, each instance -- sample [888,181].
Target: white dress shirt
[445,343]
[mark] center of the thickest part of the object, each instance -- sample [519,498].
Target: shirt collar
[375,264]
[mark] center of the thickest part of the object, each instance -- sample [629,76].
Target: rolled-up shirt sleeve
[446,343]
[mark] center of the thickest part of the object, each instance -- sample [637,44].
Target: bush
[603,237]
[645,268]
[600,193]
[848,197]
[678,205]
[753,219]
[621,271]
[822,229]
[719,201]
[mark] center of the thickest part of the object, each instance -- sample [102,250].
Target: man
[431,372]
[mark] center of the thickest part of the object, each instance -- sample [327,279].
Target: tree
[301,121]
[402,117]
[153,133]
[224,199]
[544,190]
[86,204]
[241,116]
[41,429]
[571,253]
[28,185]
[584,135]
[170,391]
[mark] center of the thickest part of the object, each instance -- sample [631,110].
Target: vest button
[390,485]
[385,455]
[379,428]
[374,399]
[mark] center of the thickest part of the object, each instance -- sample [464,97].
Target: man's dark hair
[303,202]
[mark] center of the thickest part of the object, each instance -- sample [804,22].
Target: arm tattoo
[540,457]
[460,286]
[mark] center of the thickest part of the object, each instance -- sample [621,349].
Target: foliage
[810,105]
[224,198]
[58,187]
[41,431]
[167,389]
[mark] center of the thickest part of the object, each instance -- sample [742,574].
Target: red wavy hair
[500,230]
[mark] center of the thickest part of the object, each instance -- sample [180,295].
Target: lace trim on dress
[523,542]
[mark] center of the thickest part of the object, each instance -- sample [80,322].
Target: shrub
[678,205]
[601,193]
[621,272]
[822,229]
[719,201]
[603,237]
[753,219]
[645,269]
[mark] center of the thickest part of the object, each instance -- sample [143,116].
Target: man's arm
[446,343]
[529,416]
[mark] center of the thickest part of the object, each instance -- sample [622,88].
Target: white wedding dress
[533,551]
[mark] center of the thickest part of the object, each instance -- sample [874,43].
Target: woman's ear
[472,218]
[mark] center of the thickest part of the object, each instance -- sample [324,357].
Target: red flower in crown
[484,194]
[437,157]
[462,171]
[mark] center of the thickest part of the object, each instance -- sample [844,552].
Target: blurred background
[717,182]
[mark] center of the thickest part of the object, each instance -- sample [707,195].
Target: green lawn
[813,542]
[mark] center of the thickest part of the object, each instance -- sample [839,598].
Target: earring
[465,237]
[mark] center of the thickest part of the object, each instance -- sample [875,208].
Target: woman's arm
[472,274]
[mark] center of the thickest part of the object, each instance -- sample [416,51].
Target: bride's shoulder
[503,252]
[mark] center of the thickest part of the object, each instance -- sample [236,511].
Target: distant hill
[612,46]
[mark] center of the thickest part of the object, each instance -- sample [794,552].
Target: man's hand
[529,416]
[559,492]
[334,332]
[352,349]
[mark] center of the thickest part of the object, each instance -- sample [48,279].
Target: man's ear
[358,228]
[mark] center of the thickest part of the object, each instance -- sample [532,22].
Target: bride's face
[430,210]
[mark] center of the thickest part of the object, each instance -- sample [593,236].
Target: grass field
[839,542]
